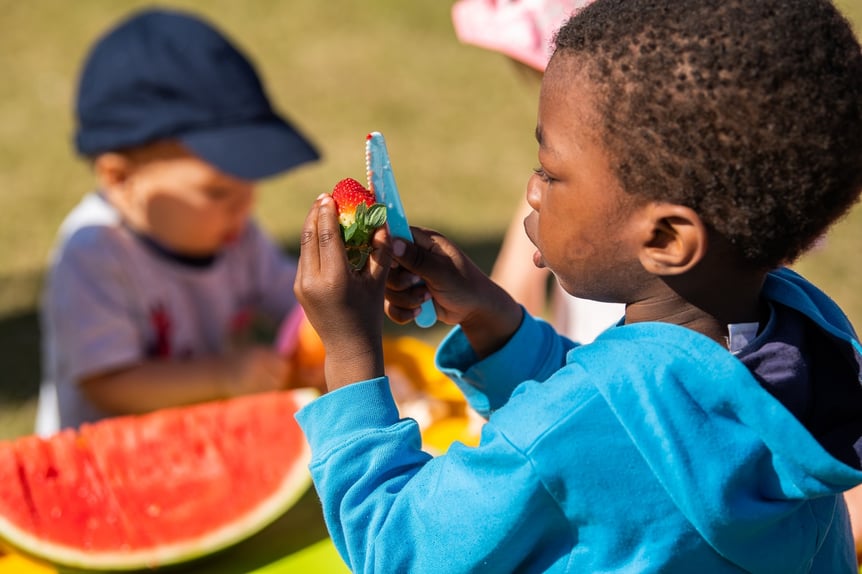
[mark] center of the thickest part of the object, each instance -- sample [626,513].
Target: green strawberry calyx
[357,235]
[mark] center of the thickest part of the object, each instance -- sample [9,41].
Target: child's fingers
[423,255]
[430,258]
[408,256]
[399,315]
[330,244]
[381,257]
[405,292]
[400,279]
[322,260]
[407,298]
[309,248]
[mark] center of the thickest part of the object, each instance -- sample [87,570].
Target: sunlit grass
[458,121]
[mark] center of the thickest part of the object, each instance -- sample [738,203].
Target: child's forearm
[152,385]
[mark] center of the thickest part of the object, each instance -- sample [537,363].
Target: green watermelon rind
[296,482]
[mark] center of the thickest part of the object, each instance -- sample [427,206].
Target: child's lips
[538,261]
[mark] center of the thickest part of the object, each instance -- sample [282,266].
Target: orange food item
[309,347]
[420,389]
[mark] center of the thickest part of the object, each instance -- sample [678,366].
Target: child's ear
[112,170]
[677,240]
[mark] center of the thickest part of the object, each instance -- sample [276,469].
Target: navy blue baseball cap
[164,74]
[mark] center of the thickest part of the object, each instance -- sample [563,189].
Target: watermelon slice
[138,492]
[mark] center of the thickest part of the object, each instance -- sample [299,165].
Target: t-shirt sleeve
[274,274]
[87,309]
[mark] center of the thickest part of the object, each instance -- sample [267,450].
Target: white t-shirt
[111,300]
[582,320]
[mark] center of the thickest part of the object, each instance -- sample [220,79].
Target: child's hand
[462,293]
[344,305]
[255,369]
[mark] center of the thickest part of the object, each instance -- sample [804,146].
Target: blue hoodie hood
[736,462]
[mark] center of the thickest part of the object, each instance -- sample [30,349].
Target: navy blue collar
[195,261]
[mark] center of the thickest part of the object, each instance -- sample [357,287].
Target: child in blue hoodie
[688,149]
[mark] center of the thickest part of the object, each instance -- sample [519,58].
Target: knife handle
[427,315]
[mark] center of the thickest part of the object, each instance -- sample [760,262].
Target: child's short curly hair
[748,112]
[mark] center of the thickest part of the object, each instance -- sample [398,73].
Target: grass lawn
[459,122]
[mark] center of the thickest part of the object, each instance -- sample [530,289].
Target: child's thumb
[428,256]
[406,254]
[415,256]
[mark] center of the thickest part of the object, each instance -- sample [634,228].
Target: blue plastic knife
[381,181]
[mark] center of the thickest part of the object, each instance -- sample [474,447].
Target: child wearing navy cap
[158,274]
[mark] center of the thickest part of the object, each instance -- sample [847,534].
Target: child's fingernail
[324,198]
[398,247]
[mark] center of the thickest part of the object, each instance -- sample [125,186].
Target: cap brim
[252,151]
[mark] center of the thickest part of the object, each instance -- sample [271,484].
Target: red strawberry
[359,216]
[348,193]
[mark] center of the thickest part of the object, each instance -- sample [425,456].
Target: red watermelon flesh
[142,491]
[64,488]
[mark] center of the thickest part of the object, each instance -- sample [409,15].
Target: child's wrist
[491,327]
[353,365]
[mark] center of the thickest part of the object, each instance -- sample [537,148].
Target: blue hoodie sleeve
[379,491]
[535,352]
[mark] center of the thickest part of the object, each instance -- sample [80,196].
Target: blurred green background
[459,122]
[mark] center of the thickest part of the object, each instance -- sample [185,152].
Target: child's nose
[242,203]
[534,193]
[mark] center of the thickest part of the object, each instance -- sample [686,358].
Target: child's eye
[540,171]
[217,193]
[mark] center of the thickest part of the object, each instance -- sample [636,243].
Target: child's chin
[230,238]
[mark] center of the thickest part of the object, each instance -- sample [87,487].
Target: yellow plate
[15,564]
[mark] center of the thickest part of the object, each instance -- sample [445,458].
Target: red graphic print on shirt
[241,328]
[161,323]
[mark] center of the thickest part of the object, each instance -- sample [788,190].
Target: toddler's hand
[255,369]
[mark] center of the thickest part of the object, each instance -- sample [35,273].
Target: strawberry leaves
[359,216]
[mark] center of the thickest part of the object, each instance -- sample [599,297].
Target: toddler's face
[185,204]
[585,227]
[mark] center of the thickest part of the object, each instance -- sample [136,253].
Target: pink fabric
[521,29]
[288,332]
